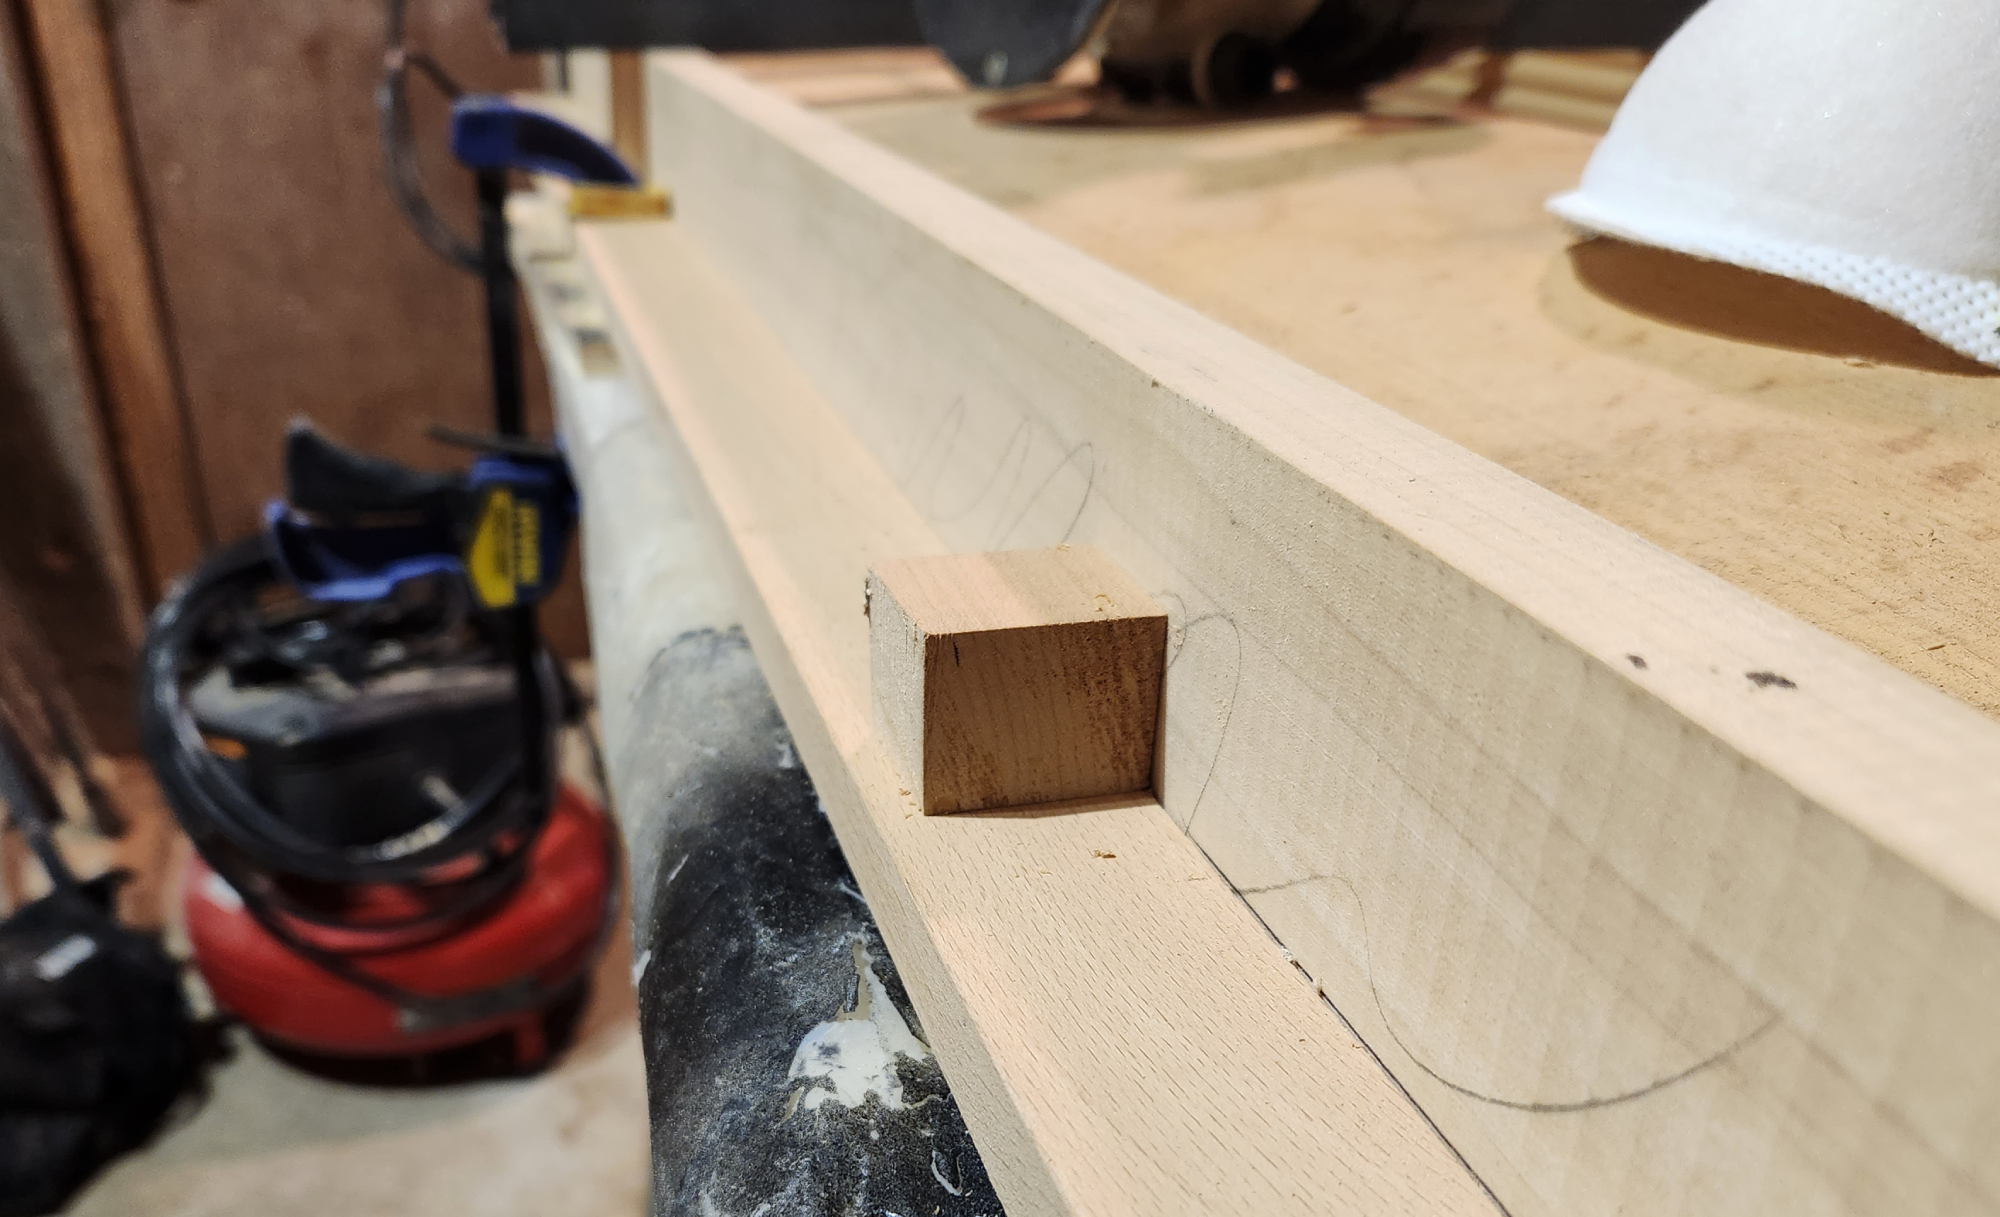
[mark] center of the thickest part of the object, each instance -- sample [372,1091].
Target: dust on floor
[272,1139]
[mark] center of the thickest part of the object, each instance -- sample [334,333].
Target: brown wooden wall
[63,543]
[287,283]
[292,284]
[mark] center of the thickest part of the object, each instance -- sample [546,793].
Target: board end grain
[1015,678]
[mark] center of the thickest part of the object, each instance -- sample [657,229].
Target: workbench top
[1804,447]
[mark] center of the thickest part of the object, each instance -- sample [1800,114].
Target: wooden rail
[1120,1032]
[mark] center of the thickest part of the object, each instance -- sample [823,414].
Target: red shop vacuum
[388,865]
[353,715]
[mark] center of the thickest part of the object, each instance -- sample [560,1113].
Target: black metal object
[754,939]
[719,25]
[503,335]
[336,767]
[503,344]
[1555,24]
[1347,45]
[1343,46]
[341,484]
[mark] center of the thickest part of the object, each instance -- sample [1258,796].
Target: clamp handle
[491,132]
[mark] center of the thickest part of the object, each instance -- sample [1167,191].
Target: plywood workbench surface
[1800,446]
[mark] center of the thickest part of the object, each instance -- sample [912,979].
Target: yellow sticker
[527,544]
[490,561]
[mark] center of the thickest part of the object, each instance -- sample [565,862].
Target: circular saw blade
[997,44]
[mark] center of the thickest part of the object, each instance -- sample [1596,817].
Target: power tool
[1228,52]
[355,719]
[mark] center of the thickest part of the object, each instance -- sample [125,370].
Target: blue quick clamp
[490,132]
[504,529]
[523,511]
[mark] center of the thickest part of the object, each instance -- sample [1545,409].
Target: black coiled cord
[218,811]
[392,113]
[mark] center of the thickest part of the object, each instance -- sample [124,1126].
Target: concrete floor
[270,1139]
[273,1139]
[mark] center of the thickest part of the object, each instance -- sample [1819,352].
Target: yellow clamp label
[527,544]
[506,551]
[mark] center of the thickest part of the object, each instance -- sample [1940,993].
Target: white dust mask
[1851,144]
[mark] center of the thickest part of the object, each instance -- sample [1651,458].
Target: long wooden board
[127,322]
[67,545]
[1121,1034]
[1657,899]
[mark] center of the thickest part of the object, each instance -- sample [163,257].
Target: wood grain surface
[1818,454]
[1014,678]
[1656,898]
[105,218]
[1121,1033]
[65,546]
